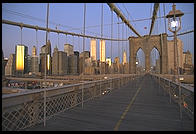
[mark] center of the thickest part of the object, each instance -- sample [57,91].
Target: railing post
[164,85]
[82,95]
[110,84]
[118,83]
[44,107]
[159,84]
[169,93]
[100,88]
[180,100]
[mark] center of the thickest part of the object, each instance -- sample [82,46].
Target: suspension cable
[36,48]
[55,31]
[84,26]
[111,31]
[118,37]
[126,44]
[21,33]
[164,18]
[122,42]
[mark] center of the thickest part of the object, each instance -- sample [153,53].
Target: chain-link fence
[179,93]
[22,110]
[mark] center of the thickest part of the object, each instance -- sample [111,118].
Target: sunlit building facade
[109,61]
[102,51]
[124,57]
[93,50]
[21,52]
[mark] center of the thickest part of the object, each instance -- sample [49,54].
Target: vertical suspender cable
[36,48]
[122,38]
[78,44]
[102,20]
[118,38]
[21,34]
[101,32]
[126,44]
[164,18]
[45,66]
[21,44]
[46,37]
[47,22]
[111,31]
[84,26]
[83,52]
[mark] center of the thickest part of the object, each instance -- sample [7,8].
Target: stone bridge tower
[147,43]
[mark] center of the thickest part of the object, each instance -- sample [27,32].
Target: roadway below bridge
[139,106]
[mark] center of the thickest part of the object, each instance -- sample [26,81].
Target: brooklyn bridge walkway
[139,106]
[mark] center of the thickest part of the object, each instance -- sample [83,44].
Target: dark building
[46,59]
[10,68]
[77,55]
[59,62]
[84,55]
[29,64]
[3,66]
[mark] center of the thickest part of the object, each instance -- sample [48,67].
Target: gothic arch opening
[155,61]
[140,61]
[147,44]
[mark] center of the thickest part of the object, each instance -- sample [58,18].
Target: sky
[70,17]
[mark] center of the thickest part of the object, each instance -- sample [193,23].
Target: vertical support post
[110,84]
[119,83]
[44,107]
[180,100]
[100,88]
[159,85]
[164,85]
[82,95]
[169,93]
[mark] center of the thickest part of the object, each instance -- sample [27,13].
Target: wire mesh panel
[23,115]
[179,94]
[32,108]
[188,101]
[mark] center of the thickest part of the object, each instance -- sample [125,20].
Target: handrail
[22,110]
[182,95]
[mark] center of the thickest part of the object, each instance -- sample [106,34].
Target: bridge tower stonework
[147,43]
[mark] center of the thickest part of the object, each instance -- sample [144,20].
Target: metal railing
[23,110]
[180,94]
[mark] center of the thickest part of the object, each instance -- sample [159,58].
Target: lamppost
[136,66]
[174,25]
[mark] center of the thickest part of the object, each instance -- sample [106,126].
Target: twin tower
[93,50]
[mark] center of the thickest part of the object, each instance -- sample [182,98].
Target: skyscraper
[84,55]
[109,61]
[124,57]
[21,52]
[34,61]
[93,50]
[68,48]
[59,62]
[102,51]
[45,59]
[10,67]
[34,51]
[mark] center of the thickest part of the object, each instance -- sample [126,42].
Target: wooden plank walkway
[134,107]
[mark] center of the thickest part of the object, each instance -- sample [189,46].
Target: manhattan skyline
[59,13]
